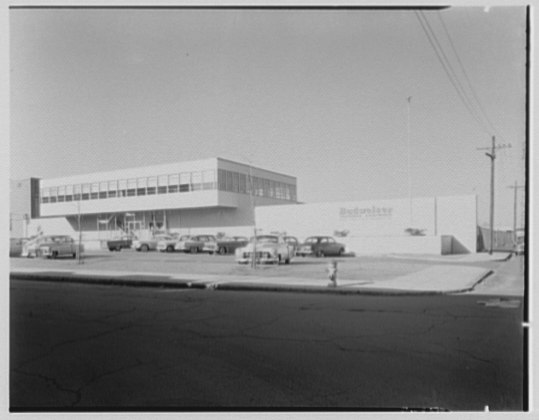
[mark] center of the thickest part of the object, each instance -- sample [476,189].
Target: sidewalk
[436,279]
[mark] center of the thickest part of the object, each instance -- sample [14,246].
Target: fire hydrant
[332,273]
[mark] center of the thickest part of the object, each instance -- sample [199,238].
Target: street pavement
[453,274]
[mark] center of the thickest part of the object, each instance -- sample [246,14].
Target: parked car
[183,243]
[167,245]
[320,246]
[51,246]
[32,248]
[119,243]
[228,245]
[60,246]
[145,245]
[197,243]
[268,249]
[16,245]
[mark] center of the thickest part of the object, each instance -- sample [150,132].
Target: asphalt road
[81,347]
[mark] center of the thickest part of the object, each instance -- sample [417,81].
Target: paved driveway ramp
[438,278]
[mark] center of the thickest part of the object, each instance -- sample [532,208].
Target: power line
[474,94]
[448,69]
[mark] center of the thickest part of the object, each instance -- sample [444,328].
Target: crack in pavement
[54,347]
[102,375]
[47,379]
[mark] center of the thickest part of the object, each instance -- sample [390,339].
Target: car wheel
[170,248]
[74,255]
[222,250]
[111,249]
[54,254]
[287,261]
[194,250]
[145,248]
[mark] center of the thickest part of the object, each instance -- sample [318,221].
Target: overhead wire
[474,94]
[448,69]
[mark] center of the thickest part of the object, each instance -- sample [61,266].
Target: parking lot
[374,268]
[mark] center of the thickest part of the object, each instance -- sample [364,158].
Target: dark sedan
[118,243]
[229,245]
[320,246]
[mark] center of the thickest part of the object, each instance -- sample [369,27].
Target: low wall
[382,223]
[368,245]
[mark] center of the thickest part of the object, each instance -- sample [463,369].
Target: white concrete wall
[457,216]
[377,245]
[361,218]
[368,221]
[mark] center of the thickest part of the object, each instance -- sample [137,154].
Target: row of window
[262,187]
[168,184]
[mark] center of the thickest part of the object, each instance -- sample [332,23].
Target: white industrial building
[203,196]
[221,196]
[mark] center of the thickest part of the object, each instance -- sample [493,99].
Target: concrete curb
[100,280]
[155,281]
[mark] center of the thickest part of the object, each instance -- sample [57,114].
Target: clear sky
[317,94]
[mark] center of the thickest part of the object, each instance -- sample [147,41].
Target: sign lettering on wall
[372,212]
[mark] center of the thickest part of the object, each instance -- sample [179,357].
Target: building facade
[423,225]
[24,206]
[203,196]
[217,195]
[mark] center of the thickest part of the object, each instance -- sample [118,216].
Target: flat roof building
[202,196]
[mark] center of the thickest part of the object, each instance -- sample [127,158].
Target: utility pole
[515,187]
[492,156]
[80,234]
[251,197]
[409,99]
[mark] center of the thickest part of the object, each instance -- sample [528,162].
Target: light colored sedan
[51,246]
[197,243]
[168,245]
[266,249]
[146,245]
